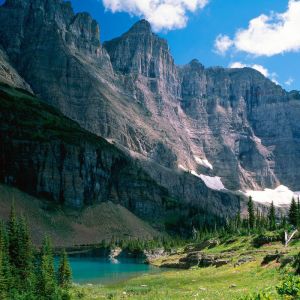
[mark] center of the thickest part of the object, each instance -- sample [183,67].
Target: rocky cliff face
[245,125]
[9,75]
[192,129]
[47,155]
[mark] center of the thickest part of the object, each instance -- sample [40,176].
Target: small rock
[233,286]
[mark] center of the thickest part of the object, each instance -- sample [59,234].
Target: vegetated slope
[249,270]
[68,227]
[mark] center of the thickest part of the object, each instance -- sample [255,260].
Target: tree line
[26,272]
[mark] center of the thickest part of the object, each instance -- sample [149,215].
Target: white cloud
[162,14]
[289,82]
[269,35]
[238,65]
[222,44]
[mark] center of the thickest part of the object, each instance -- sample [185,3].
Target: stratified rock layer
[229,123]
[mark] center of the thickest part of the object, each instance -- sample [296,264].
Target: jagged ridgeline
[47,155]
[193,134]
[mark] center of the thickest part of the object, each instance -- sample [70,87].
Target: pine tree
[13,248]
[46,283]
[13,237]
[272,217]
[251,215]
[3,279]
[64,271]
[4,255]
[25,255]
[293,213]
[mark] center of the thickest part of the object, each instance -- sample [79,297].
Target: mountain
[199,133]
[49,156]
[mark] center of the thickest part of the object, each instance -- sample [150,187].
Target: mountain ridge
[209,122]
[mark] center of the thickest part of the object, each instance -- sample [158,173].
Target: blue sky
[194,25]
[204,25]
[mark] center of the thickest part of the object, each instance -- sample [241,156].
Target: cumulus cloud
[267,35]
[162,14]
[238,65]
[289,82]
[222,44]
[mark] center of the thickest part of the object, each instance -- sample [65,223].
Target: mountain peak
[142,26]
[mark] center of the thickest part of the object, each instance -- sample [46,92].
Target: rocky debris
[115,253]
[155,254]
[244,260]
[199,259]
[285,260]
[271,257]
[205,244]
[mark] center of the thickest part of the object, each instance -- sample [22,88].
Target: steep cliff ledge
[46,154]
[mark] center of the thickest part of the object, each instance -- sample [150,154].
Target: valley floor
[224,283]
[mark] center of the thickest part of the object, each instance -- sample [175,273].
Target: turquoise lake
[104,271]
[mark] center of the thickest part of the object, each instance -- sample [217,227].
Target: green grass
[224,283]
[209,283]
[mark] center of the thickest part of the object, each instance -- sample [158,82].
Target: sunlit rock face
[232,125]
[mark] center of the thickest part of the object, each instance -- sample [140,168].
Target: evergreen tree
[13,238]
[272,217]
[3,279]
[5,266]
[46,285]
[25,255]
[64,271]
[293,213]
[251,215]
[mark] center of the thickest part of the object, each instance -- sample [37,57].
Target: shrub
[267,237]
[290,287]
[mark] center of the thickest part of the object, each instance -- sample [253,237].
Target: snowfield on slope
[214,183]
[281,196]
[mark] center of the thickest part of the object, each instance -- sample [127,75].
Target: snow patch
[214,183]
[182,168]
[203,162]
[281,196]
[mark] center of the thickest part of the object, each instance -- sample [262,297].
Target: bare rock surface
[195,130]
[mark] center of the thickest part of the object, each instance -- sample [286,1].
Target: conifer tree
[46,277]
[13,238]
[272,217]
[293,213]
[25,255]
[251,215]
[64,271]
[3,279]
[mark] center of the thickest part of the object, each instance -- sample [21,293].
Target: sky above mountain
[263,34]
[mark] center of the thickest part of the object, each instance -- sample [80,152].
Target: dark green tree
[251,214]
[3,279]
[64,273]
[272,217]
[13,244]
[46,283]
[296,264]
[25,255]
[293,213]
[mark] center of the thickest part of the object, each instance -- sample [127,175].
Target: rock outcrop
[195,131]
[46,154]
[9,75]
